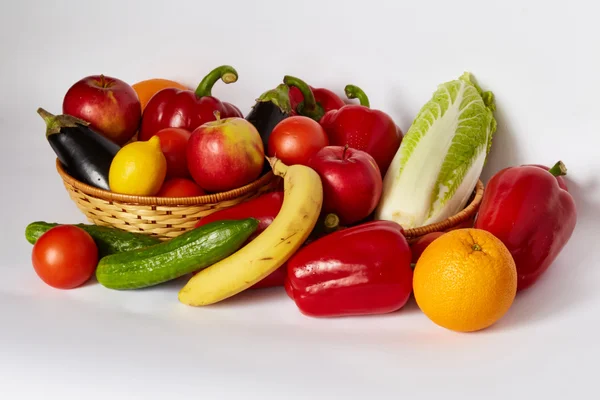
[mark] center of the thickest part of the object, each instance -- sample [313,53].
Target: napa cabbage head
[441,157]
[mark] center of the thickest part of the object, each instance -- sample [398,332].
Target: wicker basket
[464,218]
[163,217]
[168,217]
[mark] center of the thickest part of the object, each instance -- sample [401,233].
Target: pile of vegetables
[332,234]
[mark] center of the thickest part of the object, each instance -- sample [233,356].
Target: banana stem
[278,167]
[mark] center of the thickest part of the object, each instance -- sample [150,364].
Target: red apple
[173,142]
[352,182]
[225,154]
[110,105]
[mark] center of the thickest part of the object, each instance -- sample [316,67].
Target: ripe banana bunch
[302,201]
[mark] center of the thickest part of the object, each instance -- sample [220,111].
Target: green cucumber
[109,240]
[187,253]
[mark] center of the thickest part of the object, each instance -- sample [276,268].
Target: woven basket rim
[162,201]
[456,219]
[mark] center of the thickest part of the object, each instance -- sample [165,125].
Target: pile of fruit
[333,233]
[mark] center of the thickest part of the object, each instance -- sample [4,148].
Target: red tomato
[180,187]
[418,247]
[295,139]
[65,257]
[173,142]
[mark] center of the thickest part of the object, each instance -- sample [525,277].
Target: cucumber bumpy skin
[187,253]
[108,240]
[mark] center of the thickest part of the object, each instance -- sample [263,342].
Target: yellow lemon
[139,168]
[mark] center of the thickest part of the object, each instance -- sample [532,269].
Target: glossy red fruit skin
[225,154]
[110,105]
[65,257]
[176,108]
[326,98]
[418,247]
[173,142]
[180,187]
[529,210]
[264,208]
[296,139]
[187,109]
[352,183]
[362,128]
[361,270]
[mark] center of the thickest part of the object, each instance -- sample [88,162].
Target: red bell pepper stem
[332,222]
[309,106]
[354,92]
[226,73]
[559,169]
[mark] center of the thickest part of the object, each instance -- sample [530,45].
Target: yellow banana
[302,201]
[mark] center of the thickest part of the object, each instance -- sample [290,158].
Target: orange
[465,280]
[148,88]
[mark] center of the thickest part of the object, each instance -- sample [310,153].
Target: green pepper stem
[309,106]
[226,73]
[354,92]
[559,169]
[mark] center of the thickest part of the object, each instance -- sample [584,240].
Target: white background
[540,60]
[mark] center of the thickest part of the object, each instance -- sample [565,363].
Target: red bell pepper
[264,208]
[529,209]
[176,108]
[364,269]
[309,101]
[363,128]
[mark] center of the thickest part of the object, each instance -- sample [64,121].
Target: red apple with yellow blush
[110,105]
[225,154]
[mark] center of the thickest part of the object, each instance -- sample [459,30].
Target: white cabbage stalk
[441,157]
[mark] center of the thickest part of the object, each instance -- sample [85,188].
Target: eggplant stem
[54,123]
